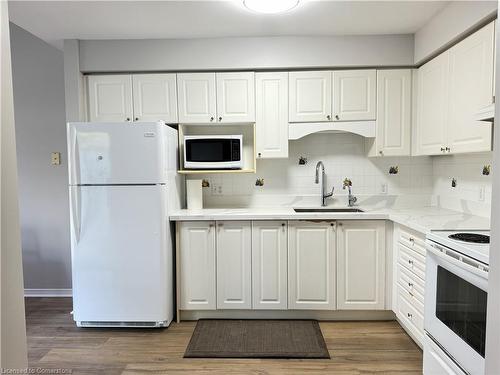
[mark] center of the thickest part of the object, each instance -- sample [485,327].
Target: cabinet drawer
[411,240]
[412,285]
[412,261]
[409,315]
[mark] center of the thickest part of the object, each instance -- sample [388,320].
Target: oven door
[455,305]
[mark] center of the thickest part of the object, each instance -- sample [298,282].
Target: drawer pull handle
[410,262]
[410,285]
[412,240]
[410,315]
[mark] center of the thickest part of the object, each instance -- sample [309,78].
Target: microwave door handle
[476,271]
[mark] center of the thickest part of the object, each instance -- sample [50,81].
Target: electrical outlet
[482,193]
[55,158]
[383,188]
[216,187]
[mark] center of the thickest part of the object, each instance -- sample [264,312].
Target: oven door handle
[475,270]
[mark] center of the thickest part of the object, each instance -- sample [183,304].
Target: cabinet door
[394,112]
[155,97]
[236,97]
[234,262]
[310,95]
[110,98]
[271,124]
[432,102]
[197,265]
[311,265]
[354,95]
[470,89]
[269,265]
[361,265]
[196,98]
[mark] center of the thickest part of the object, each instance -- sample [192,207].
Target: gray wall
[13,353]
[245,53]
[38,78]
[450,24]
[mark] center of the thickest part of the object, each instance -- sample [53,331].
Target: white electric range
[456,291]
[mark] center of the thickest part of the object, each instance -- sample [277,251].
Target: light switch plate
[56,158]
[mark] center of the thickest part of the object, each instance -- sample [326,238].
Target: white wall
[343,155]
[245,53]
[450,24]
[38,78]
[13,329]
[492,366]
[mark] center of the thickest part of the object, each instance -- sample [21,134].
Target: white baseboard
[48,292]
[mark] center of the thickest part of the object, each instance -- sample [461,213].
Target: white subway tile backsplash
[344,157]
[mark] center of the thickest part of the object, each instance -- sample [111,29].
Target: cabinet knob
[410,285]
[448,149]
[259,154]
[328,117]
[136,119]
[127,119]
[282,224]
[212,118]
[443,149]
[381,152]
[220,118]
[410,262]
[337,117]
[410,315]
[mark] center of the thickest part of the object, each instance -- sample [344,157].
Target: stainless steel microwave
[213,152]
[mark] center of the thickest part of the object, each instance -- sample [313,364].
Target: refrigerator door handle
[75,159]
[76,212]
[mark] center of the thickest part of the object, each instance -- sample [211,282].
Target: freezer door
[117,153]
[121,254]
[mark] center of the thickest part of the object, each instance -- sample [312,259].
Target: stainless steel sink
[327,210]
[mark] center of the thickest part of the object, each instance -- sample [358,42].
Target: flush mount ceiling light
[270,6]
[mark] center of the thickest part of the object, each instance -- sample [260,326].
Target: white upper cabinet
[361,265]
[197,265]
[110,98]
[393,113]
[236,97]
[196,98]
[234,265]
[471,88]
[269,265]
[310,96]
[354,95]
[311,265]
[452,88]
[271,124]
[432,103]
[155,97]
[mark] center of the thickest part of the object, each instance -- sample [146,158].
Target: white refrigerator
[123,182]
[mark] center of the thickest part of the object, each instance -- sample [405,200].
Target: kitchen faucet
[352,199]
[323,195]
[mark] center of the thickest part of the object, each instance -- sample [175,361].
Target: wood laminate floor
[55,342]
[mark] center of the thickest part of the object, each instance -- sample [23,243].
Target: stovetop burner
[470,237]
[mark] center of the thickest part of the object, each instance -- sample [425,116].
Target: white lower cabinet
[234,262]
[311,265]
[197,265]
[409,281]
[269,265]
[361,265]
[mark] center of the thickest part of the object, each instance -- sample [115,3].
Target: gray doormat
[257,339]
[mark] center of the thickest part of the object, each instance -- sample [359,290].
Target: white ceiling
[54,21]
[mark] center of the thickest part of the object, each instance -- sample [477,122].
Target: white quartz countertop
[422,219]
